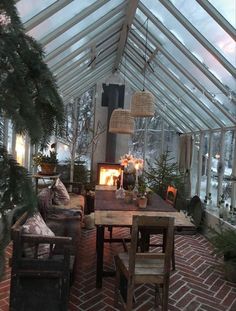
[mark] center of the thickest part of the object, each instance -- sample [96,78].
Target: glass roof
[186,49]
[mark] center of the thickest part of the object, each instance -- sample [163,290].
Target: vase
[128,181]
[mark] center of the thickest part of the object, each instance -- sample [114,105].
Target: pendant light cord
[145,55]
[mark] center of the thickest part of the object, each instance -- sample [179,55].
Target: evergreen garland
[28,93]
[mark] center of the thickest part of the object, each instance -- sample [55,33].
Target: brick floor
[196,285]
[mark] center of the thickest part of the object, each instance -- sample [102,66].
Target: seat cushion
[61,195]
[35,225]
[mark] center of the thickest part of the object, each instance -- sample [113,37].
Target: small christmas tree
[163,172]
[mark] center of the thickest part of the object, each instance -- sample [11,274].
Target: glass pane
[88,38]
[226,8]
[208,27]
[188,65]
[29,8]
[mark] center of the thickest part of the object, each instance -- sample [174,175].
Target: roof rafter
[130,14]
[187,74]
[73,21]
[211,10]
[46,13]
[184,50]
[198,36]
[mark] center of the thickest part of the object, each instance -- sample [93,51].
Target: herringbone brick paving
[196,285]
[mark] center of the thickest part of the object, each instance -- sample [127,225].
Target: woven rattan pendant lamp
[121,122]
[142,103]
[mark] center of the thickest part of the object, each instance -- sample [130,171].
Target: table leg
[100,248]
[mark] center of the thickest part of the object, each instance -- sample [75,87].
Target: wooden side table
[44,177]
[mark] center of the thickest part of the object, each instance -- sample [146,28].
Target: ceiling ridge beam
[71,22]
[130,14]
[188,75]
[44,14]
[219,18]
[199,37]
[184,50]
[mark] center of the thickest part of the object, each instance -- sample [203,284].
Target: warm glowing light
[109,176]
[20,149]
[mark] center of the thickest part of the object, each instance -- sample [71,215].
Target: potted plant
[142,195]
[47,163]
[163,172]
[224,243]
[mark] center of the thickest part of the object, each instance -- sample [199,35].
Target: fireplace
[108,173]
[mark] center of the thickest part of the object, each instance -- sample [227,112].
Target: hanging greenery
[28,93]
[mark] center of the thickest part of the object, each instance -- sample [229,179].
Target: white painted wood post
[199,175]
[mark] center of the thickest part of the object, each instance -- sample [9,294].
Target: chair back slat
[171,195]
[166,224]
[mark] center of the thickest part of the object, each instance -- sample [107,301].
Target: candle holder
[120,193]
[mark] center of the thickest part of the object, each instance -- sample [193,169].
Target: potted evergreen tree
[29,98]
[224,243]
[163,172]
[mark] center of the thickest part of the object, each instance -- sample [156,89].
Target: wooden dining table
[110,211]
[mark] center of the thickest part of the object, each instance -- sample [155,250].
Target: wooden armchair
[150,267]
[39,281]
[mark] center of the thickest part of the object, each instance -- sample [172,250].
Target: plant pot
[128,197]
[142,202]
[230,270]
[48,168]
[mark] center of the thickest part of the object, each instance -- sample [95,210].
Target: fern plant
[163,172]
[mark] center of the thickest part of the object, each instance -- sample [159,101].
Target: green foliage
[16,195]
[28,93]
[225,243]
[163,172]
[40,158]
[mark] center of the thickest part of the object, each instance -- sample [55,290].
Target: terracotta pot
[48,168]
[142,202]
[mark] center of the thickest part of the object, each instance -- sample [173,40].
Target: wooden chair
[171,196]
[142,268]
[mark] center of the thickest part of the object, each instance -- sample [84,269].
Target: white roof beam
[169,119]
[183,49]
[95,38]
[180,115]
[186,73]
[46,13]
[85,74]
[198,36]
[117,11]
[88,84]
[73,21]
[167,85]
[211,10]
[130,13]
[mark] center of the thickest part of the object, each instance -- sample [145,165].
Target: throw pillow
[45,201]
[61,195]
[36,225]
